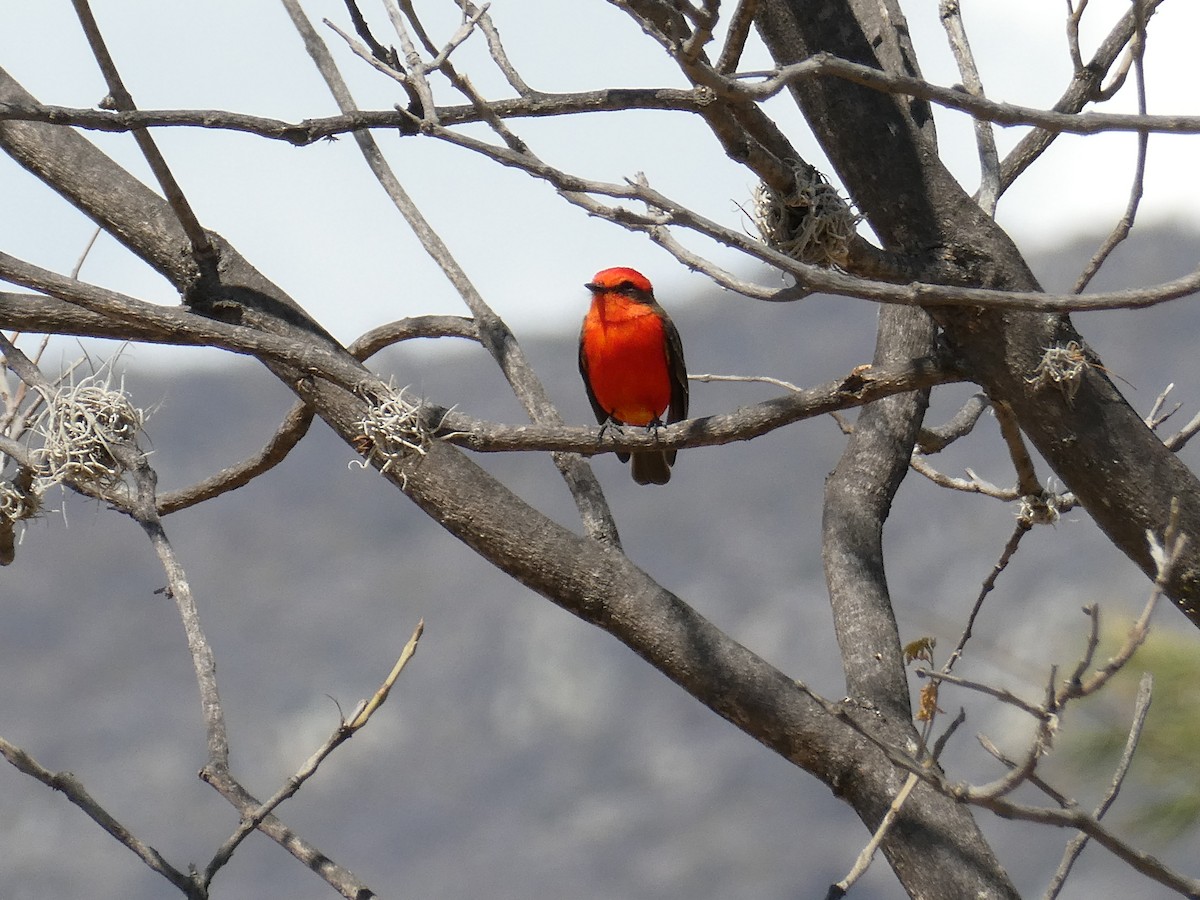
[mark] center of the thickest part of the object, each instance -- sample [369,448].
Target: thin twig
[1085,87]
[120,99]
[1043,736]
[72,788]
[340,735]
[1076,844]
[1010,430]
[1022,528]
[143,509]
[1136,637]
[540,104]
[416,76]
[706,378]
[1123,227]
[499,54]
[971,485]
[1186,433]
[386,55]
[1002,694]
[867,854]
[989,796]
[298,419]
[1074,14]
[295,425]
[1092,611]
[989,161]
[741,424]
[1036,780]
[87,248]
[128,317]
[666,213]
[1156,416]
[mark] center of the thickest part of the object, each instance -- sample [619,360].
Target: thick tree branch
[858,498]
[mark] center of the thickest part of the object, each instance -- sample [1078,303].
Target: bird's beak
[593,287]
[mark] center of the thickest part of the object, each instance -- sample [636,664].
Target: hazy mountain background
[525,754]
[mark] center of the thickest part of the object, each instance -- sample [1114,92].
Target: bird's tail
[651,467]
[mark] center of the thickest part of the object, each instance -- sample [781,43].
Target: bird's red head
[620,279]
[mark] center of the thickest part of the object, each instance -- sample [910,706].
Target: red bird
[631,360]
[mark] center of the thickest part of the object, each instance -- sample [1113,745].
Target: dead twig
[341,734]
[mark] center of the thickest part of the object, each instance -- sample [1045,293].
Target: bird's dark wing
[677,371]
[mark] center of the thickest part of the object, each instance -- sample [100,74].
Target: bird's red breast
[625,348]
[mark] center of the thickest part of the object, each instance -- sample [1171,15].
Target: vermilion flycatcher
[631,360]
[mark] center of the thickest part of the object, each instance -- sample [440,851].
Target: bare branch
[735,38]
[1069,816]
[861,387]
[1085,87]
[87,248]
[1138,860]
[1027,480]
[415,77]
[934,439]
[1156,416]
[336,876]
[119,98]
[1036,780]
[138,320]
[295,425]
[1186,433]
[499,55]
[309,131]
[340,735]
[1037,711]
[760,379]
[1076,844]
[386,55]
[1074,14]
[867,854]
[73,790]
[770,83]
[989,161]
[665,212]
[1023,527]
[973,484]
[1123,227]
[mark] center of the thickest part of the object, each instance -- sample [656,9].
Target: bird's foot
[609,424]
